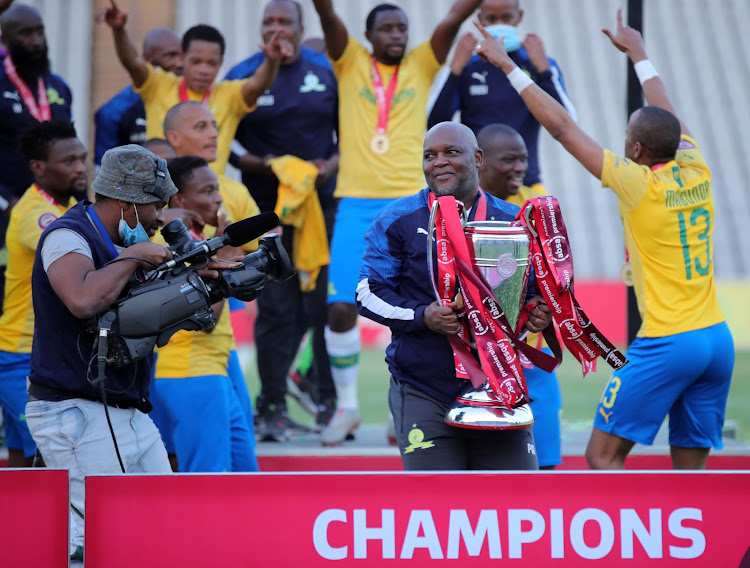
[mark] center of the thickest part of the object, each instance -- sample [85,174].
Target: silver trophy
[501,252]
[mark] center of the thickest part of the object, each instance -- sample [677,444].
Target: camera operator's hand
[153,254]
[190,218]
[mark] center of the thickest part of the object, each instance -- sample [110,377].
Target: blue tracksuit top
[394,289]
[484,96]
[119,121]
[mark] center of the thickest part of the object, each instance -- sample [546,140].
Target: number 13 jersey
[668,216]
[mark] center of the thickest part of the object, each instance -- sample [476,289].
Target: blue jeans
[73,434]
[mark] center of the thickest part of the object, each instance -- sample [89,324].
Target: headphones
[157,188]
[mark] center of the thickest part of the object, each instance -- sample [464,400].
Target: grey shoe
[343,423]
[299,390]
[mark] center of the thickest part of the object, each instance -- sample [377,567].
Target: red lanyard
[41,112]
[47,197]
[382,96]
[184,93]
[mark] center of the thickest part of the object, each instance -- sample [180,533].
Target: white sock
[343,355]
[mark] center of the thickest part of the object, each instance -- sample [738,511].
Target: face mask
[511,39]
[132,236]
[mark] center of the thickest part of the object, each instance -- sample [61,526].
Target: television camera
[176,298]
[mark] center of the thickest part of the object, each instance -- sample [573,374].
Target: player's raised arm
[630,42]
[334,29]
[445,32]
[127,53]
[550,114]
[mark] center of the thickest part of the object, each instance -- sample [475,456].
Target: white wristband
[519,80]
[645,70]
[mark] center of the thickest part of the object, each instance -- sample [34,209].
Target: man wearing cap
[83,262]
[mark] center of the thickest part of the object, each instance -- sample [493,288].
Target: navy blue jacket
[14,119]
[298,115]
[62,358]
[119,121]
[484,96]
[394,289]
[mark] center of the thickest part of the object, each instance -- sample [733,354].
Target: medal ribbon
[382,96]
[42,111]
[498,360]
[183,92]
[553,268]
[47,197]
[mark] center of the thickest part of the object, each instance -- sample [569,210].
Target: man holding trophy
[432,350]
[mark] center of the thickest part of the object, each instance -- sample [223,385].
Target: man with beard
[122,119]
[28,92]
[58,162]
[395,289]
[382,105]
[298,117]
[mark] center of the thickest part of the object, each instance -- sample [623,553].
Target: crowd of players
[330,136]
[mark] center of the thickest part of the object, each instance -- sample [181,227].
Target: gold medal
[380,143]
[626,274]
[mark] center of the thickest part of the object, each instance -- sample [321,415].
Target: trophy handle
[430,261]
[529,224]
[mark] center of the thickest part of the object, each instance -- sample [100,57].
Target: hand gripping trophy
[485,267]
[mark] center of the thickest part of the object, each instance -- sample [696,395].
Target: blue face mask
[130,236]
[511,39]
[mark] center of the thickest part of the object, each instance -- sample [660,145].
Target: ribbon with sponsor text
[553,268]
[480,315]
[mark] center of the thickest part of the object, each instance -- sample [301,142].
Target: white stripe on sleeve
[380,307]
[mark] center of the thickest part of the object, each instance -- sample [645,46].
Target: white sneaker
[344,422]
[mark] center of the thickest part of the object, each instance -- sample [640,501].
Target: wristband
[645,70]
[519,80]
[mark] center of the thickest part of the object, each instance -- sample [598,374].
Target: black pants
[284,315]
[426,442]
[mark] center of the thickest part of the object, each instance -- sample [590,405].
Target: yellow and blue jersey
[31,215]
[160,92]
[668,217]
[398,172]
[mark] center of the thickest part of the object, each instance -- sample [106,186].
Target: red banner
[547,519]
[34,517]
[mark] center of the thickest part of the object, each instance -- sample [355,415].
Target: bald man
[681,362]
[122,119]
[506,160]
[395,290]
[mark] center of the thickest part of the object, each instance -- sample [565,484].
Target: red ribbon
[382,96]
[183,92]
[42,111]
[553,267]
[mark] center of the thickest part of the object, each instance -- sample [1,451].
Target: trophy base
[480,409]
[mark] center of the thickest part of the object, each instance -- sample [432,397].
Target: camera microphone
[236,234]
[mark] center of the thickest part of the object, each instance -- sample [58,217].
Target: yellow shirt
[398,172]
[160,93]
[32,214]
[525,193]
[668,218]
[238,204]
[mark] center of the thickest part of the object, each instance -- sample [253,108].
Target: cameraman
[83,262]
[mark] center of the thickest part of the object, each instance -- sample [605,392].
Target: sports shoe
[343,423]
[271,425]
[299,389]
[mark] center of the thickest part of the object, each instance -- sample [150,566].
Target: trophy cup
[501,253]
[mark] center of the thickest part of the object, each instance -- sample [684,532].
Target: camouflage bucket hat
[133,174]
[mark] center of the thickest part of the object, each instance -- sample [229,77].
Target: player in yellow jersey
[681,363]
[201,412]
[58,162]
[191,130]
[383,110]
[203,48]
[501,174]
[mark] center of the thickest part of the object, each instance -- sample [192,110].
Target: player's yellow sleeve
[629,181]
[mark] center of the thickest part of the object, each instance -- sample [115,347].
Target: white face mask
[130,236]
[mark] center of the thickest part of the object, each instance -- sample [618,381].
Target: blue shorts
[14,368]
[685,376]
[547,406]
[353,217]
[209,429]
